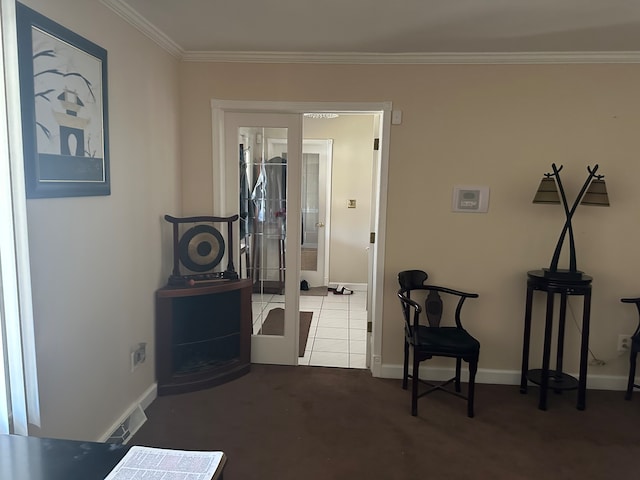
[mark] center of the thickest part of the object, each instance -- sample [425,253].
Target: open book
[147,462]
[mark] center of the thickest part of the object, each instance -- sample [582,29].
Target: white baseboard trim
[501,377]
[149,396]
[143,402]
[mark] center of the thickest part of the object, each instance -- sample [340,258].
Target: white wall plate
[470,199]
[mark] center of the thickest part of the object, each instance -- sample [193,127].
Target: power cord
[595,361]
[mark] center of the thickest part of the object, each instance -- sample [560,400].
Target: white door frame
[218,109]
[373,227]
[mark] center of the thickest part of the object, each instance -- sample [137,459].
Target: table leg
[526,341]
[560,350]
[584,351]
[544,375]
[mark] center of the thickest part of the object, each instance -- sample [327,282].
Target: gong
[201,248]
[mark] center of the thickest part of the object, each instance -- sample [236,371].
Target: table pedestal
[545,377]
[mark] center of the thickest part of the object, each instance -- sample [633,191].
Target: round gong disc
[201,248]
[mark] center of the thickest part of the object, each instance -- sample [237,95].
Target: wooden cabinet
[203,335]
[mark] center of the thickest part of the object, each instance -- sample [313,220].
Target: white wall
[96,261]
[350,179]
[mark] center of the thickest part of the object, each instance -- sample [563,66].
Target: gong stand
[200,249]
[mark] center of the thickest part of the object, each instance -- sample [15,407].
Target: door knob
[319,224]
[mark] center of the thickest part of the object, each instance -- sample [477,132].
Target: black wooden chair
[433,340]
[633,353]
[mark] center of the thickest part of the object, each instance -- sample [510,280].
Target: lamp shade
[596,194]
[547,192]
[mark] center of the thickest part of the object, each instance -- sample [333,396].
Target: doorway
[373,300]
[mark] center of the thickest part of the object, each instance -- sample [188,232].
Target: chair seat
[446,341]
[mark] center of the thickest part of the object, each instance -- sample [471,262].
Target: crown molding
[415,58]
[121,8]
[144,26]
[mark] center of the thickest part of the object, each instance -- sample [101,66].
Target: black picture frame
[64,105]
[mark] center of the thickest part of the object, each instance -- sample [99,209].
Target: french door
[264,187]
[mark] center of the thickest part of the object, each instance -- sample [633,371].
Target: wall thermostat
[470,199]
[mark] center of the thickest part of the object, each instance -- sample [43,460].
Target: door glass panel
[263,226]
[313,187]
[310,211]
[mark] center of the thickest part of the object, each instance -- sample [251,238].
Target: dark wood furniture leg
[527,339]
[473,368]
[544,377]
[557,375]
[414,385]
[584,351]
[405,367]
[633,356]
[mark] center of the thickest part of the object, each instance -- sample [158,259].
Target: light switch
[396,117]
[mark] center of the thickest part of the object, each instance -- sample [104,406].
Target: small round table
[565,285]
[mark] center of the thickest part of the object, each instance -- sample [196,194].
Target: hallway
[338,333]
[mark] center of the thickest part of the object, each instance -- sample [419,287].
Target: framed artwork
[63,94]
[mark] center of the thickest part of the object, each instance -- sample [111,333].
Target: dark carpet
[274,325]
[282,423]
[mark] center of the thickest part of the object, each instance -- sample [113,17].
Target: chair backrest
[433,308]
[410,279]
[413,280]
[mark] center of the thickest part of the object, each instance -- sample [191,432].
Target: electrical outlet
[138,355]
[624,343]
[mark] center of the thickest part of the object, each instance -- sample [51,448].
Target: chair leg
[473,368]
[632,374]
[405,370]
[458,369]
[414,385]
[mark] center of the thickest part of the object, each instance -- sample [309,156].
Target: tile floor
[338,333]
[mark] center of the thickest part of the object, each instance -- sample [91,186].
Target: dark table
[33,458]
[545,377]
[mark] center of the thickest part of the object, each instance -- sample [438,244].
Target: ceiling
[391,29]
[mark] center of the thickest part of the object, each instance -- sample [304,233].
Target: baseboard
[501,377]
[149,396]
[134,412]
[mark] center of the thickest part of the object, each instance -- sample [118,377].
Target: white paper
[146,463]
